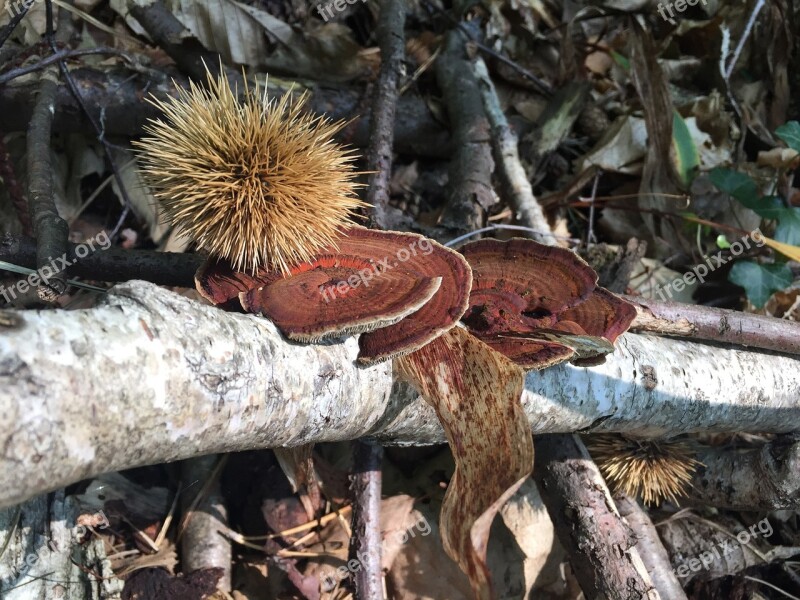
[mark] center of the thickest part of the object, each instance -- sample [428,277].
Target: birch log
[149,376]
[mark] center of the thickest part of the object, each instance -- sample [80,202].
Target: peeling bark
[149,377]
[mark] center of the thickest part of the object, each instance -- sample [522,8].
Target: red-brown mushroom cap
[416,253]
[602,314]
[545,279]
[217,282]
[406,269]
[329,297]
[539,305]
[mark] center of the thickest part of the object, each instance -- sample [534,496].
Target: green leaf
[687,158]
[768,207]
[621,60]
[738,185]
[790,133]
[788,230]
[760,281]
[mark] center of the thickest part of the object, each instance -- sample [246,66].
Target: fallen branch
[606,561]
[470,191]
[365,541]
[648,543]
[716,324]
[114,99]
[50,229]
[150,376]
[766,478]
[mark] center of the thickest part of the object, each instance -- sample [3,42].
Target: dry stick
[365,541]
[205,516]
[470,174]
[716,324]
[51,230]
[766,478]
[391,25]
[654,556]
[512,174]
[54,58]
[601,546]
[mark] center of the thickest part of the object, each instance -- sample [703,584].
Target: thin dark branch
[50,229]
[114,264]
[54,58]
[15,20]
[365,542]
[384,105]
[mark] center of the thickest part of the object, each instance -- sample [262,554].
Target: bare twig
[391,35]
[62,65]
[528,211]
[365,541]
[654,556]
[716,324]
[57,57]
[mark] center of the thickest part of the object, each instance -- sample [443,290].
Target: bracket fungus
[400,290]
[300,308]
[540,305]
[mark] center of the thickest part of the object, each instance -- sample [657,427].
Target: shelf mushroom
[540,305]
[400,290]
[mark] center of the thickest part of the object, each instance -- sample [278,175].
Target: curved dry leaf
[476,394]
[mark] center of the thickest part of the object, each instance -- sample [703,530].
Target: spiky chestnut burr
[656,470]
[259,182]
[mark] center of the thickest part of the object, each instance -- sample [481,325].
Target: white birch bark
[149,376]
